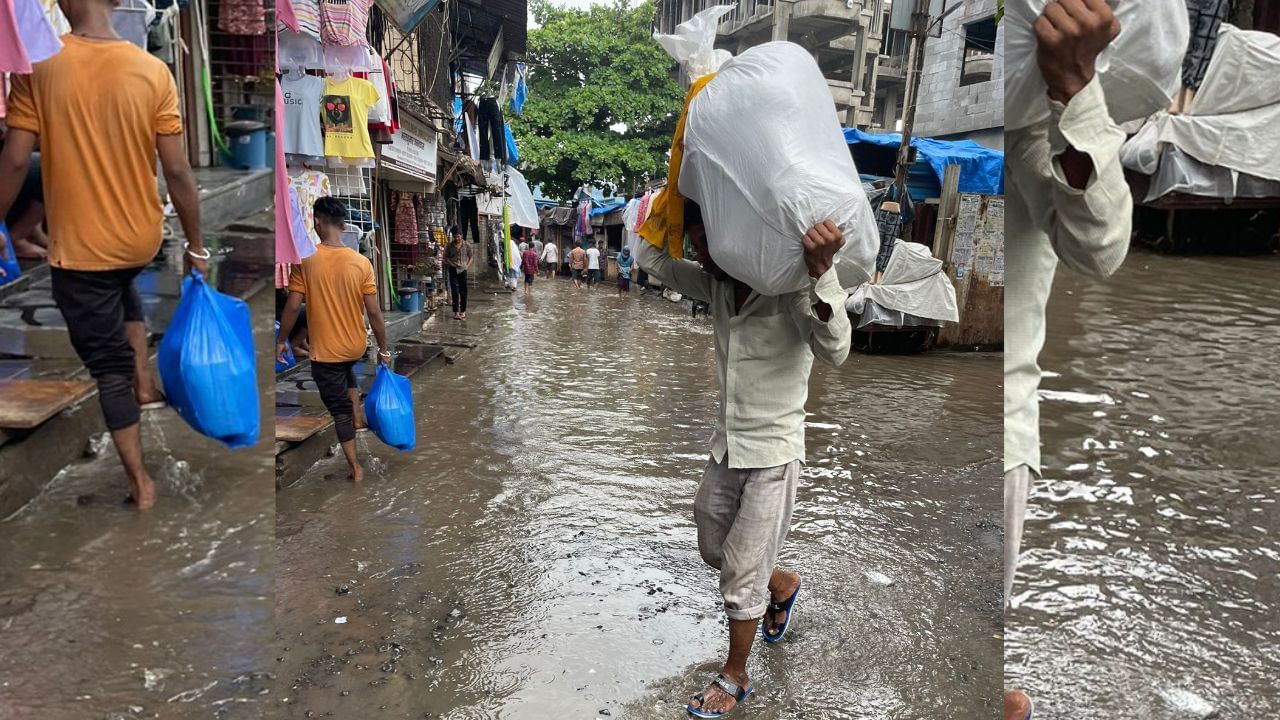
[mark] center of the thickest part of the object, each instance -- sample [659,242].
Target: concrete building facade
[962,91]
[843,35]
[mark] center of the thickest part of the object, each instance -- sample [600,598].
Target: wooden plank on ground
[296,428]
[26,404]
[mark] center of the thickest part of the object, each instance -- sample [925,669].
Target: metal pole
[915,72]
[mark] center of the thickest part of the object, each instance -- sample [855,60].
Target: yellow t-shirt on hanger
[344,113]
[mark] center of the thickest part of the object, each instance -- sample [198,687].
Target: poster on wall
[414,150]
[407,14]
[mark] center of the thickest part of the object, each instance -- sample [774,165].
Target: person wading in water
[765,348]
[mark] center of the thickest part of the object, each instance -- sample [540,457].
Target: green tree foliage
[593,73]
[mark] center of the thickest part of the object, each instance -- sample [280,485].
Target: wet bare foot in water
[144,492]
[357,474]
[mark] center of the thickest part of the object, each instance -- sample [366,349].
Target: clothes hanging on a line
[493,140]
[344,22]
[242,17]
[26,37]
[345,115]
[1206,18]
[302,95]
[406,214]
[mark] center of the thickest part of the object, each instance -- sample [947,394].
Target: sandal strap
[727,685]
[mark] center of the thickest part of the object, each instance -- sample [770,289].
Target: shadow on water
[536,556]
[110,613]
[1148,586]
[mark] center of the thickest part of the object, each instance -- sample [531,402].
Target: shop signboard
[407,14]
[413,151]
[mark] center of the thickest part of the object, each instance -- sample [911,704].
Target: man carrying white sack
[765,348]
[1069,203]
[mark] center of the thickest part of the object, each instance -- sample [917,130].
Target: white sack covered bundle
[766,159]
[1140,70]
[913,283]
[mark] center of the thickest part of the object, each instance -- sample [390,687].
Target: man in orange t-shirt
[101,110]
[338,285]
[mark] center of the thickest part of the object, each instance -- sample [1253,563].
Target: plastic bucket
[248,141]
[410,300]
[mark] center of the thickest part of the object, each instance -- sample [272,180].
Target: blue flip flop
[739,694]
[776,607]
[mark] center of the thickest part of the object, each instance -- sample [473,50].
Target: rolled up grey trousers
[743,517]
[1017,491]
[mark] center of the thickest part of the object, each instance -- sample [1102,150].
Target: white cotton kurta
[1047,222]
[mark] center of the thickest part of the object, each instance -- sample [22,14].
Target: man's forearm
[186,201]
[13,173]
[379,329]
[289,318]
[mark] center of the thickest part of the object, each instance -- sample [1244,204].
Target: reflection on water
[110,613]
[536,557]
[1148,587]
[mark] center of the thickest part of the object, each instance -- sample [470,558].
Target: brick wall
[945,107]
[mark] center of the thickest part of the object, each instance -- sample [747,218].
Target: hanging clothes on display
[493,141]
[61,25]
[406,211]
[381,120]
[311,185]
[26,36]
[583,227]
[242,17]
[1206,18]
[344,112]
[132,21]
[302,94]
[286,246]
[287,16]
[306,15]
[469,218]
[344,22]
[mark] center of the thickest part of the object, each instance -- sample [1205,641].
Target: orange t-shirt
[335,281]
[577,259]
[98,106]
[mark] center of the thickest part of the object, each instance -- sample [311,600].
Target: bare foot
[144,491]
[1017,706]
[357,474]
[147,397]
[716,699]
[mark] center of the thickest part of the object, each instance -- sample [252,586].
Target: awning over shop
[461,169]
[565,216]
[981,168]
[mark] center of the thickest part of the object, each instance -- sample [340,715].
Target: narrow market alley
[535,557]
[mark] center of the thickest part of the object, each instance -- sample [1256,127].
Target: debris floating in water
[878,578]
[341,620]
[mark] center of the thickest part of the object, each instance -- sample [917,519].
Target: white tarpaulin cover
[765,158]
[1234,121]
[913,284]
[523,211]
[1140,70]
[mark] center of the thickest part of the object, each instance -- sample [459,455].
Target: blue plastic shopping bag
[10,262]
[389,408]
[207,364]
[289,359]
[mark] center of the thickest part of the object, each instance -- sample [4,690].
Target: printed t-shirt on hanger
[344,111]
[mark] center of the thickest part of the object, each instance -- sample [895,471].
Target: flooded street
[536,556]
[1148,586]
[111,614]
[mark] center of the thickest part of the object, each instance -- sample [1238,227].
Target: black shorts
[577,274]
[593,276]
[333,380]
[528,279]
[96,305]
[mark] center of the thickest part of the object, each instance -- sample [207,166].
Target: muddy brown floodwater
[1149,586]
[111,614]
[536,556]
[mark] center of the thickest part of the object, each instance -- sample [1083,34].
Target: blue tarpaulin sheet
[981,168]
[606,206]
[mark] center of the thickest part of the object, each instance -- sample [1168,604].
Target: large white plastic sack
[693,44]
[1141,71]
[766,159]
